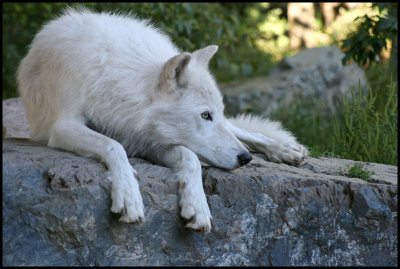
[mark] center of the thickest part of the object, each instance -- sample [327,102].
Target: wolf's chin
[210,163]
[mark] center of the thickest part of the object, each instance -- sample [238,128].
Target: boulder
[56,212]
[315,75]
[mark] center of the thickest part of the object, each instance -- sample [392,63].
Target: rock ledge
[56,212]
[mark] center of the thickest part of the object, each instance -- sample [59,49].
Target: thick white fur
[111,86]
[268,137]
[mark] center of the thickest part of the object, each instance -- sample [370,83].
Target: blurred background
[254,40]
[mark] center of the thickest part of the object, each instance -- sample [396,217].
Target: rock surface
[15,119]
[316,75]
[56,212]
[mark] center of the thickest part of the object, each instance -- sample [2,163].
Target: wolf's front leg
[193,202]
[73,135]
[268,137]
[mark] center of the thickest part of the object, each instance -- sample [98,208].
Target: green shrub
[364,45]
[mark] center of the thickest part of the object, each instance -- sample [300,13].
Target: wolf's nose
[244,158]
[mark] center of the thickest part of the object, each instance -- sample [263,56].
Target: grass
[315,152]
[357,171]
[367,132]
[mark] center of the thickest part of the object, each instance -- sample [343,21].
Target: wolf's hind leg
[268,137]
[193,201]
[73,135]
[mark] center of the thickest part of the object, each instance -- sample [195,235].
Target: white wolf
[112,86]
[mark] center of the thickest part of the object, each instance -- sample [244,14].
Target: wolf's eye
[206,115]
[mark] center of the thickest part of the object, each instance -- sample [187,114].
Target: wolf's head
[192,111]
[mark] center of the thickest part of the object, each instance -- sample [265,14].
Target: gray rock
[56,212]
[15,119]
[315,74]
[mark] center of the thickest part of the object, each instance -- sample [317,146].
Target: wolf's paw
[196,214]
[296,152]
[126,198]
[289,153]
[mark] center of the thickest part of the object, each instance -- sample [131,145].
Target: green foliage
[273,31]
[346,23]
[357,171]
[366,132]
[371,38]
[190,25]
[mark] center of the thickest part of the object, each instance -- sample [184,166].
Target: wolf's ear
[173,72]
[204,55]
